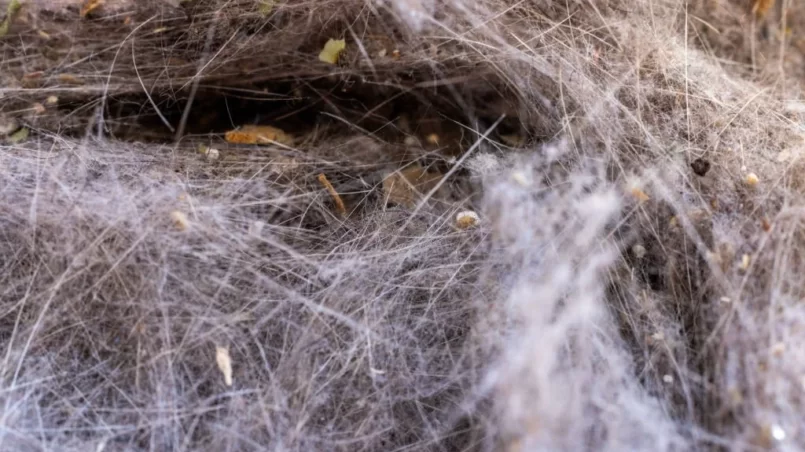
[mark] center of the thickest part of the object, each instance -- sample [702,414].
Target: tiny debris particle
[639,251]
[332,50]
[52,100]
[668,379]
[212,154]
[745,261]
[180,220]
[395,54]
[726,300]
[658,336]
[752,180]
[38,108]
[467,219]
[700,167]
[224,364]
[382,53]
[433,139]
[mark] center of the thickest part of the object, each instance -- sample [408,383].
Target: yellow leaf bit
[266,6]
[339,203]
[11,13]
[639,195]
[90,6]
[251,134]
[332,50]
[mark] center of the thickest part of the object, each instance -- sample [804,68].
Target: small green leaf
[18,136]
[11,14]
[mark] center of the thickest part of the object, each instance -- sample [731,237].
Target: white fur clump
[564,379]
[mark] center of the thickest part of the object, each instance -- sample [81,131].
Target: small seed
[467,219]
[180,220]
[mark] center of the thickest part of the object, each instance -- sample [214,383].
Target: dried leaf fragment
[11,14]
[761,7]
[339,203]
[407,185]
[90,6]
[332,50]
[70,79]
[224,364]
[253,134]
[639,194]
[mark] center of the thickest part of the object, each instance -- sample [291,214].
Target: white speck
[668,379]
[639,251]
[777,432]
[213,154]
[726,300]
[778,349]
[521,179]
[658,336]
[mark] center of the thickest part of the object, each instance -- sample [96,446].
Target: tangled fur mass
[520,225]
